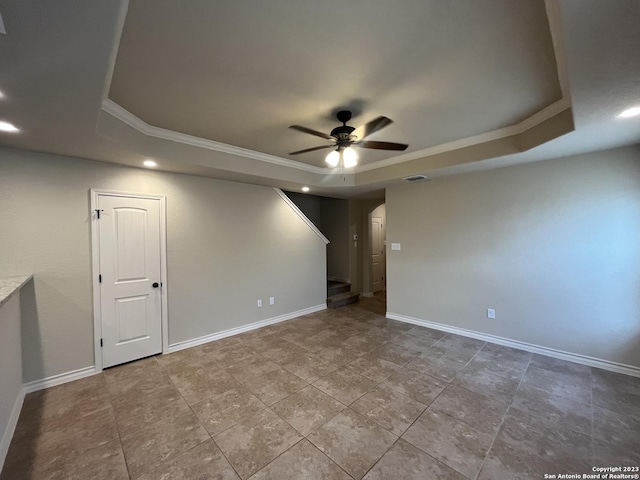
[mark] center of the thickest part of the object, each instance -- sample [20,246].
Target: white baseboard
[59,379]
[549,352]
[33,387]
[11,427]
[244,328]
[54,380]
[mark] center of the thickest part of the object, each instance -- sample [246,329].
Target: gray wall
[309,205]
[228,244]
[332,217]
[11,367]
[553,246]
[355,247]
[335,226]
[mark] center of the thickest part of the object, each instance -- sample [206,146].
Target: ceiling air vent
[415,178]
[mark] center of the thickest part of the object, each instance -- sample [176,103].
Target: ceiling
[209,88]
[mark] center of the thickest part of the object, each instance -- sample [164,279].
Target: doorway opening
[377,237]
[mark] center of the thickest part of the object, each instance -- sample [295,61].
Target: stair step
[342,299]
[334,288]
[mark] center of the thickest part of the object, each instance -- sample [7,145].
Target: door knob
[155,284]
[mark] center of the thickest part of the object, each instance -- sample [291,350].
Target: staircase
[339,294]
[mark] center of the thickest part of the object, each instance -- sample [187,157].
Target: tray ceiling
[240,72]
[209,88]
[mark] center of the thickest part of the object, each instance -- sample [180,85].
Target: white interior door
[377,254]
[130,277]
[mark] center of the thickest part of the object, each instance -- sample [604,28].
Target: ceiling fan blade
[312,149]
[373,126]
[382,145]
[300,128]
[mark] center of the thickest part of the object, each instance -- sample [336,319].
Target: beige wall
[228,244]
[339,220]
[553,246]
[10,367]
[309,205]
[332,217]
[355,247]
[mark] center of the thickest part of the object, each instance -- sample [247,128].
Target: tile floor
[339,394]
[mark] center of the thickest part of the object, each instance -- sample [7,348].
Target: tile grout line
[381,457]
[363,317]
[384,428]
[115,416]
[431,402]
[503,419]
[412,423]
[346,407]
[266,407]
[303,437]
[311,384]
[199,421]
[118,439]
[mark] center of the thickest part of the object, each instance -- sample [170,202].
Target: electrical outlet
[259,303]
[491,313]
[272,300]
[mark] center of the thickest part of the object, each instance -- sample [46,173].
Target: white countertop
[11,284]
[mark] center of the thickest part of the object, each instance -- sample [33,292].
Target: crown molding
[557,39]
[528,123]
[112,108]
[564,103]
[555,28]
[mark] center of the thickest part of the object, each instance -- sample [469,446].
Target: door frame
[95,267]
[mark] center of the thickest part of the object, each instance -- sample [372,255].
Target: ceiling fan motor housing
[343,136]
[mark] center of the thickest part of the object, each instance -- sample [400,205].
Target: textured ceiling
[240,72]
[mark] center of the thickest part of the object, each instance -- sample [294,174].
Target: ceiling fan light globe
[350,157]
[350,163]
[333,158]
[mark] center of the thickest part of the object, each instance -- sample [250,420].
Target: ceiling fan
[344,137]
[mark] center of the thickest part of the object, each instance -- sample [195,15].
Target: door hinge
[100,278]
[101,342]
[98,212]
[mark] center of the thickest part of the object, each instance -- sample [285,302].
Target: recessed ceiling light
[630,112]
[8,127]
[305,189]
[1,94]
[150,163]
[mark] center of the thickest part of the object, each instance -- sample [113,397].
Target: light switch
[395,246]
